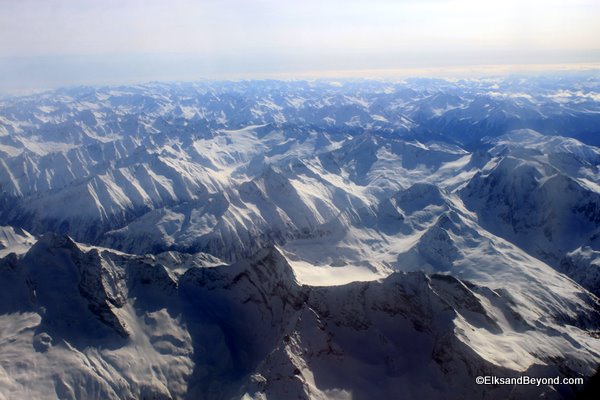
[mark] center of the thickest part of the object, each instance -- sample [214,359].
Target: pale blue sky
[45,43]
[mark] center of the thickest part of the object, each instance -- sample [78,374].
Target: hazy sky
[45,43]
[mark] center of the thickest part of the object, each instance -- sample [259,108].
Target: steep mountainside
[312,240]
[86,315]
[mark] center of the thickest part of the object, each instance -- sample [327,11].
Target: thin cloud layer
[185,39]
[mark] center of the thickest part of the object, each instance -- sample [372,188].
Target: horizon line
[449,73]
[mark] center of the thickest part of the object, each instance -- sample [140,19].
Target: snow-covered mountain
[540,193]
[86,315]
[318,240]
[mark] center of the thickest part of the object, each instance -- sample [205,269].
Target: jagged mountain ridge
[190,141]
[251,328]
[403,212]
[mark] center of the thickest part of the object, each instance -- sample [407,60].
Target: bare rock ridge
[252,328]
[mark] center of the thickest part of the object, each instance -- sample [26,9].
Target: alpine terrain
[357,239]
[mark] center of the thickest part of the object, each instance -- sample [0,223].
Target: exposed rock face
[251,329]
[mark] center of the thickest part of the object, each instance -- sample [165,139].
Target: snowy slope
[72,325]
[14,240]
[539,193]
[251,328]
[313,240]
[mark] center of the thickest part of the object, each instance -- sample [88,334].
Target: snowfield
[310,240]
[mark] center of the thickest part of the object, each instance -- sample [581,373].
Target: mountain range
[300,239]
